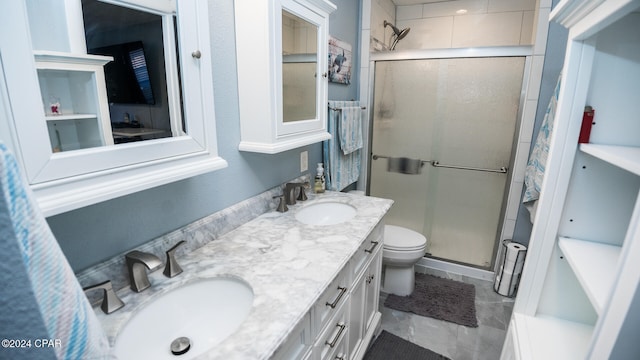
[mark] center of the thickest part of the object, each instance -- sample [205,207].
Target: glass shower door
[459,117]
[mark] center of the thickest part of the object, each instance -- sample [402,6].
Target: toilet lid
[400,238]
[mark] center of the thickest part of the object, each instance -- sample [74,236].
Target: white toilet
[403,248]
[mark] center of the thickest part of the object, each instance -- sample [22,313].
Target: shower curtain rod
[436,163]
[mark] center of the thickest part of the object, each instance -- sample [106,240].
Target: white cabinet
[578,297]
[282,55]
[73,93]
[365,316]
[343,321]
[95,170]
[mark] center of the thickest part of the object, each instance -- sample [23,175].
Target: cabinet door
[372,291]
[357,316]
[364,305]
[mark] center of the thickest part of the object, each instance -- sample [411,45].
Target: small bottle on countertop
[319,182]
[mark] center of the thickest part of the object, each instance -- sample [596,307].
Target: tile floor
[456,341]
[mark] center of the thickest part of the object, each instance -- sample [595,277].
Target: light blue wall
[92,234]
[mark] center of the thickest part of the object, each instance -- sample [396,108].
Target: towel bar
[436,163]
[502,170]
[340,109]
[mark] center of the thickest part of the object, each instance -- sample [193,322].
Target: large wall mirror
[108,97]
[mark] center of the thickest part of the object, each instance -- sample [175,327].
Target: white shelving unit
[76,83]
[579,296]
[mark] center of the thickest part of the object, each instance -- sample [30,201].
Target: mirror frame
[70,180]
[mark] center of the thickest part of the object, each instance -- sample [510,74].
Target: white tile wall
[526,34]
[485,23]
[431,33]
[493,29]
[381,10]
[452,8]
[511,5]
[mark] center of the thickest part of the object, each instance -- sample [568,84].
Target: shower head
[399,34]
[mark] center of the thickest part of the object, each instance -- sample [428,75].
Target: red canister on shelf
[587,123]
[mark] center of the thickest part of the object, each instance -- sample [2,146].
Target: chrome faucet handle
[137,261]
[282,206]
[289,197]
[302,196]
[172,268]
[110,301]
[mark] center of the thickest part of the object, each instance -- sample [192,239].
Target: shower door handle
[502,170]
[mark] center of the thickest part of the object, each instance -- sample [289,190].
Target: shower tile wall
[381,10]
[486,23]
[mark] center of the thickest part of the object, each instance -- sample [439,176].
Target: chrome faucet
[136,262]
[289,192]
[110,301]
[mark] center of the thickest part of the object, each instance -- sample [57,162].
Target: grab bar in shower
[502,170]
[436,163]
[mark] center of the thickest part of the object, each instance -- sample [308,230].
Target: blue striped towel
[341,170]
[350,127]
[65,311]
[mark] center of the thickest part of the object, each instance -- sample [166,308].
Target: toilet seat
[398,238]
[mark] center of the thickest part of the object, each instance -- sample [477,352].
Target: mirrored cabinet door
[299,68]
[282,86]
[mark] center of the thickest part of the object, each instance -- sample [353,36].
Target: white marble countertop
[287,264]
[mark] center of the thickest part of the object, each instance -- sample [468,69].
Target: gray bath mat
[388,346]
[442,299]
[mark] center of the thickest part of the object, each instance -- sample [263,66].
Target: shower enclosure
[457,116]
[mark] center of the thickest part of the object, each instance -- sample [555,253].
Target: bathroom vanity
[315,287]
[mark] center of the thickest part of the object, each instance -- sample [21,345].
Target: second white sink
[325,213]
[205,312]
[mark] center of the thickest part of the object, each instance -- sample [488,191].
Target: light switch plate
[304,161]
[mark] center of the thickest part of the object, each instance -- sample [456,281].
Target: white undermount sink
[205,311]
[325,213]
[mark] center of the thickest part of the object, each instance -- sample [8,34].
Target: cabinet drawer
[332,340]
[330,301]
[365,253]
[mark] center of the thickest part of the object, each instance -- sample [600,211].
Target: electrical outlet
[304,161]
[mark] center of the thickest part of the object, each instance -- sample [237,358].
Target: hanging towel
[404,165]
[350,127]
[341,170]
[64,311]
[534,173]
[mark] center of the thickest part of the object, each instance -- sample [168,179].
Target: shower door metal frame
[460,53]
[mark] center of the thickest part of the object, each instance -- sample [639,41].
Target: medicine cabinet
[282,55]
[78,140]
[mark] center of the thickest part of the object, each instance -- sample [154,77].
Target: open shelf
[544,337]
[624,157]
[595,265]
[71,117]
